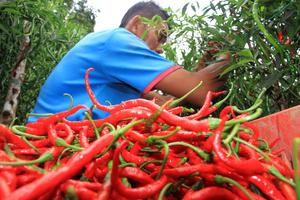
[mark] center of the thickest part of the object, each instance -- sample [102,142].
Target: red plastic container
[285,125]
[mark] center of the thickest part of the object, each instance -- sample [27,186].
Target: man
[127,66]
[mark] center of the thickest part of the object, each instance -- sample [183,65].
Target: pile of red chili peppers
[143,151]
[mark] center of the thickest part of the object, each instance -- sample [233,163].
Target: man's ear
[134,25]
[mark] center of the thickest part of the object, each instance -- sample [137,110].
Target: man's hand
[210,74]
[159,99]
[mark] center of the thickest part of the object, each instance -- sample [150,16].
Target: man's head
[133,21]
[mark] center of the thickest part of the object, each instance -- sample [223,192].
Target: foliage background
[263,39]
[55,26]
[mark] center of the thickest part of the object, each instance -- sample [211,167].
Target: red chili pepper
[23,179]
[88,185]
[226,111]
[181,135]
[247,152]
[91,93]
[53,137]
[4,189]
[83,139]
[243,196]
[136,174]
[104,158]
[116,196]
[57,195]
[142,192]
[115,171]
[245,136]
[135,136]
[38,130]
[41,143]
[11,137]
[129,157]
[53,178]
[255,131]
[90,170]
[135,149]
[29,151]
[10,178]
[188,170]
[280,36]
[172,160]
[56,117]
[253,166]
[177,110]
[266,186]
[278,163]
[101,173]
[193,157]
[205,107]
[211,193]
[81,192]
[287,190]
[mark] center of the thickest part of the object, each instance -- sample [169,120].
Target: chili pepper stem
[177,101]
[31,145]
[219,103]
[200,152]
[16,130]
[253,147]
[62,143]
[222,179]
[93,124]
[256,104]
[43,158]
[274,171]
[231,135]
[164,191]
[153,138]
[166,147]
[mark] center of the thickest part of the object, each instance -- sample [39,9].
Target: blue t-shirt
[124,66]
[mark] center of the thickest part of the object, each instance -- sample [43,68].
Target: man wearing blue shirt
[127,66]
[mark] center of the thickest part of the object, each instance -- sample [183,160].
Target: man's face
[156,36]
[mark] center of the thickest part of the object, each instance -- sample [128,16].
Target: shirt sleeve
[129,60]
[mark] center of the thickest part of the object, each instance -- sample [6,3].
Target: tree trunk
[17,77]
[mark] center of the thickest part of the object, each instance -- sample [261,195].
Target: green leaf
[6,4]
[183,11]
[241,3]
[245,53]
[234,66]
[194,8]
[12,11]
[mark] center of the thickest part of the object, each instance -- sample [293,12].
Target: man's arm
[181,81]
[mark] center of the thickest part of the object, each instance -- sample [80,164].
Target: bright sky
[112,11]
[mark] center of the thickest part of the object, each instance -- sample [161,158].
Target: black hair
[146,9]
